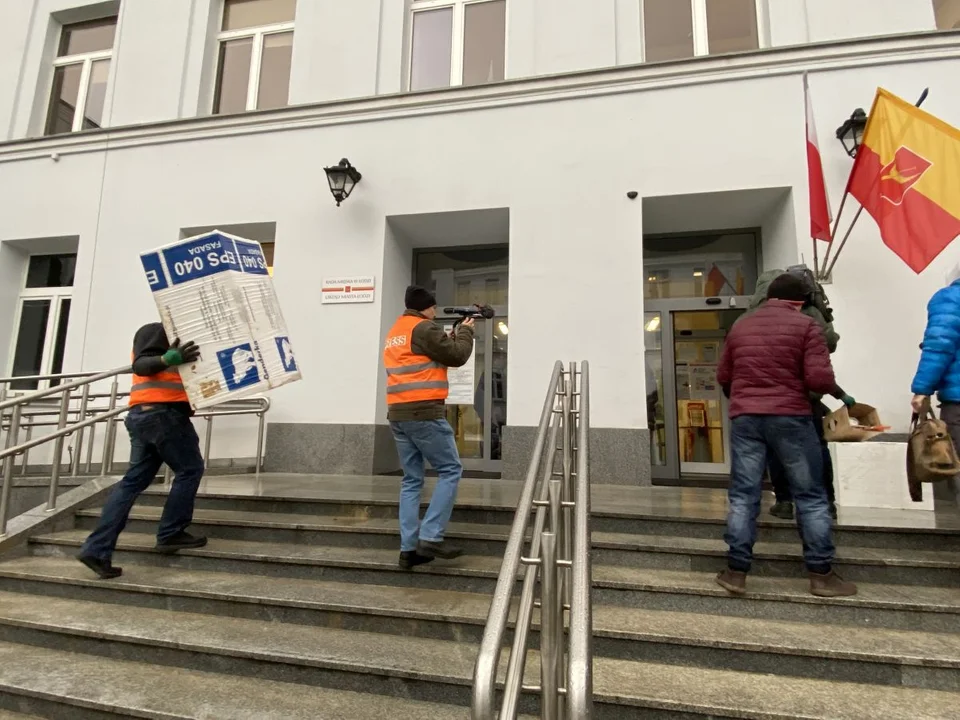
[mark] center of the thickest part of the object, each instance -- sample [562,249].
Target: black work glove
[181,354]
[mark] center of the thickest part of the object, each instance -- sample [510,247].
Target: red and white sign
[347,289]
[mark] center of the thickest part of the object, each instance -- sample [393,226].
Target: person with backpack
[938,372]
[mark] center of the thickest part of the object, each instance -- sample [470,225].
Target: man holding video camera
[416,355]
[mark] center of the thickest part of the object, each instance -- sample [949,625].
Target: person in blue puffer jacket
[939,369]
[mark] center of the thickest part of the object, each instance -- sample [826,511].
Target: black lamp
[342,177]
[851,132]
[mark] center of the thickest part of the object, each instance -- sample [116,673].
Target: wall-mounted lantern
[851,132]
[342,177]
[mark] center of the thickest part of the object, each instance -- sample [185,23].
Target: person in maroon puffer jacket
[771,362]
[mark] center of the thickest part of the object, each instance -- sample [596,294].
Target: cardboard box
[215,290]
[855,424]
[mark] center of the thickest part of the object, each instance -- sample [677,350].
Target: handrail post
[81,416]
[106,464]
[58,451]
[549,650]
[567,496]
[208,438]
[8,468]
[25,458]
[580,666]
[260,428]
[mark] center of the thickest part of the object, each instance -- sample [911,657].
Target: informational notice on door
[462,381]
[347,289]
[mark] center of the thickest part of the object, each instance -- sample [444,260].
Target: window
[255,51]
[679,29]
[947,13]
[42,319]
[457,42]
[80,75]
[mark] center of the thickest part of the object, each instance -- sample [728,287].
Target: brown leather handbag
[931,456]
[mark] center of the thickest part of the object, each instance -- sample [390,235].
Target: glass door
[703,432]
[477,404]
[687,414]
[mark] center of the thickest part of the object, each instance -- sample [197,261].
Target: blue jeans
[433,441]
[158,434]
[778,476]
[793,441]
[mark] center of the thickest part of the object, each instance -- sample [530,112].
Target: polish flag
[820,215]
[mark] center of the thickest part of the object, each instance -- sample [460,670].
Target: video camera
[813,289]
[477,312]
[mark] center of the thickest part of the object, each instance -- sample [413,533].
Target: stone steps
[931,609]
[298,600]
[606,517]
[59,684]
[398,668]
[855,654]
[876,565]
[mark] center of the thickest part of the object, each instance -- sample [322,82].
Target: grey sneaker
[441,550]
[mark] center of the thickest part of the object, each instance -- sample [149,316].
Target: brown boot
[733,582]
[831,585]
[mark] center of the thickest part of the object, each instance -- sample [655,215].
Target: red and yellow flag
[907,176]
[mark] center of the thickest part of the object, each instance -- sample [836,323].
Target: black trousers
[778,476]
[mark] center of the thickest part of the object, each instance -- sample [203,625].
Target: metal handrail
[58,389]
[246,406]
[559,556]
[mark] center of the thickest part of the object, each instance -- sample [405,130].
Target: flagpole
[833,236]
[816,262]
[843,242]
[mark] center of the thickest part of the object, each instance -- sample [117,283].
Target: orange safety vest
[411,377]
[164,387]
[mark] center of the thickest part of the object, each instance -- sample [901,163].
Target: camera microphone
[474,311]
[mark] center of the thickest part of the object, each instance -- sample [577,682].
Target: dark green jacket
[760,296]
[430,339]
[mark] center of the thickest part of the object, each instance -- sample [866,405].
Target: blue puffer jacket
[939,370]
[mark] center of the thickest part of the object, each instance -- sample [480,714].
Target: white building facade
[500,142]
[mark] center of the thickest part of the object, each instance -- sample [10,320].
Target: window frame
[56,296]
[86,60]
[458,27]
[701,33]
[258,35]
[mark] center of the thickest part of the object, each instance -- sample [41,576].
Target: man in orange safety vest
[416,355]
[160,432]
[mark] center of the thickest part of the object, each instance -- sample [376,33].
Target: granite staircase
[296,609]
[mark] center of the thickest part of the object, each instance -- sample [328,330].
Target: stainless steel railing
[14,410]
[556,491]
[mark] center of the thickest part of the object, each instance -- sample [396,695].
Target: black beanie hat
[787,287]
[418,298]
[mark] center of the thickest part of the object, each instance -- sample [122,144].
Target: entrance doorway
[477,407]
[690,428]
[696,286]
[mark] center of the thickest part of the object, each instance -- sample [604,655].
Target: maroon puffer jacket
[772,359]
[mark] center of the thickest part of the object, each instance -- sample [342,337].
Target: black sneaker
[104,569]
[782,510]
[438,550]
[409,559]
[181,541]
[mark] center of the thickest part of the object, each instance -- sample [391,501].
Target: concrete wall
[165,55]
